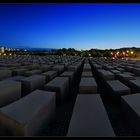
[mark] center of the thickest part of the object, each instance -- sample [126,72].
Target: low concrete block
[73,68]
[87,85]
[16,78]
[5,74]
[60,85]
[89,118]
[45,68]
[136,71]
[87,74]
[130,105]
[107,75]
[129,73]
[129,68]
[69,74]
[19,71]
[135,85]
[26,116]
[120,69]
[116,71]
[31,83]
[125,77]
[117,89]
[50,75]
[32,72]
[87,67]
[58,68]
[10,91]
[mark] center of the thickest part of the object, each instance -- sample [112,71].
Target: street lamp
[123,53]
[132,52]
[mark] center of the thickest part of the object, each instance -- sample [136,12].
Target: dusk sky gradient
[79,26]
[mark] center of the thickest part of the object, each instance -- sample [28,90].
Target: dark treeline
[121,52]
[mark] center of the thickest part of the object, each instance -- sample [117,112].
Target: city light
[123,53]
[132,52]
[4,54]
[127,51]
[118,53]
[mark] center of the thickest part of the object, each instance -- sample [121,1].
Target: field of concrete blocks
[69,96]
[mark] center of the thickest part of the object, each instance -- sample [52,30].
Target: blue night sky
[79,26]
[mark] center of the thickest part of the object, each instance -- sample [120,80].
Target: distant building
[2,49]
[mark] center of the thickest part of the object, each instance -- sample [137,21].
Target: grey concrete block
[16,78]
[26,116]
[136,71]
[19,71]
[58,68]
[115,71]
[130,106]
[73,68]
[125,78]
[129,68]
[69,74]
[87,74]
[45,68]
[87,85]
[34,66]
[50,75]
[118,88]
[32,72]
[60,85]
[10,91]
[107,75]
[87,67]
[135,85]
[31,83]
[5,74]
[137,77]
[129,73]
[89,118]
[120,69]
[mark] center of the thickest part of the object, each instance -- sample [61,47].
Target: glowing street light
[118,52]
[4,54]
[123,53]
[132,52]
[127,51]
